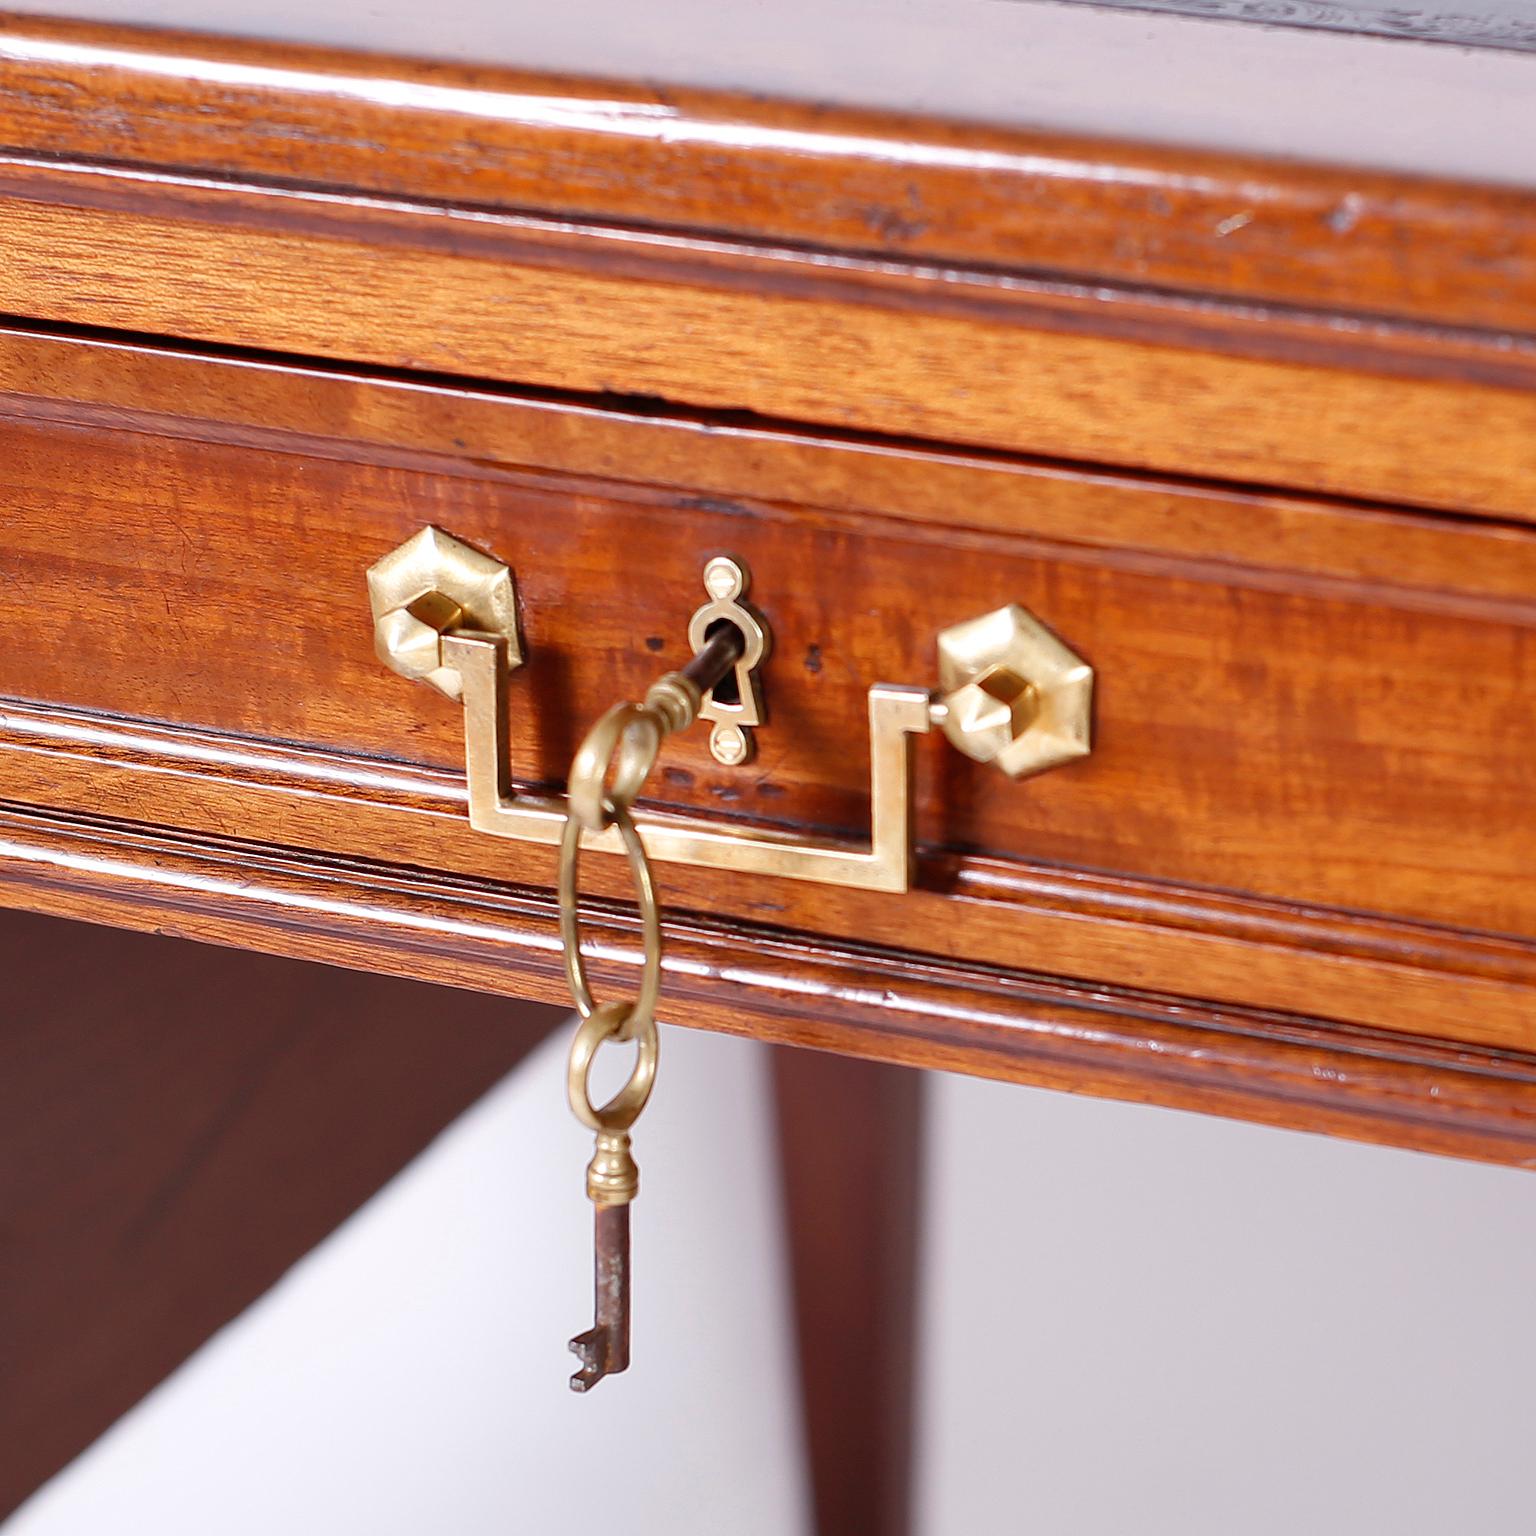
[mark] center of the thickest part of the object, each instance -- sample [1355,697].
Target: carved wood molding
[1085,210]
[1373,971]
[962,356]
[1245,317]
[1281,1069]
[1228,534]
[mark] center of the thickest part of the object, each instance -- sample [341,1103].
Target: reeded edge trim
[1421,980]
[1284,1070]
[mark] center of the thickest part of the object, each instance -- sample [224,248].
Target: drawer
[1311,778]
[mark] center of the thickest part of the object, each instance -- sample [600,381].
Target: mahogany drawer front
[1291,881]
[1302,712]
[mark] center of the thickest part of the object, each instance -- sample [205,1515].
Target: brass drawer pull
[1009,692]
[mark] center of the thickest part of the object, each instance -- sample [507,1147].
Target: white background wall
[1136,1321]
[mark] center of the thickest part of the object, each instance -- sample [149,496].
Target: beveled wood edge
[1082,210]
[1375,972]
[1277,1069]
[1156,317]
[1192,530]
[966,358]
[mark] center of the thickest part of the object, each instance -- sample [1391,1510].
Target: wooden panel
[178,1125]
[1280,1069]
[1157,523]
[1369,410]
[984,912]
[1335,737]
[1088,210]
[987,912]
[1288,743]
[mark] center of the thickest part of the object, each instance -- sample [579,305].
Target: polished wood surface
[1346,967]
[178,1125]
[1270,476]
[1165,523]
[1249,738]
[1277,716]
[1031,64]
[1257,438]
[744,166]
[1315,401]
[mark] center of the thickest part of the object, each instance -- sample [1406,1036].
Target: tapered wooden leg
[850,1145]
[178,1125]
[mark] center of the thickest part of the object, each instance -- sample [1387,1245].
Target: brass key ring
[611,1021]
[643,1009]
[629,736]
[632,730]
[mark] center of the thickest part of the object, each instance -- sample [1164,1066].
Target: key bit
[612,1182]
[604,1348]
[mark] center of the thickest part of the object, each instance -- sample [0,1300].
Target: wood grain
[985,912]
[1092,212]
[1279,1069]
[1159,523]
[178,1125]
[934,354]
[1265,738]
[191,601]
[1183,406]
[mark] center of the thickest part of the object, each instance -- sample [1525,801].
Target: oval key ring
[611,1021]
[632,731]
[642,1010]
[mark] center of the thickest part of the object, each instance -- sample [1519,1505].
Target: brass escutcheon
[730,738]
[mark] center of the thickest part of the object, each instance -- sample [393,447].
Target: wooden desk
[1256,437]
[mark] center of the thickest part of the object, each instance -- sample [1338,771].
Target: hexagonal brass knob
[430,585]
[1012,694]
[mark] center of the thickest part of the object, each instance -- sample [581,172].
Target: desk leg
[850,1146]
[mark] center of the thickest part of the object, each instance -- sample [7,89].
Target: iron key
[612,1181]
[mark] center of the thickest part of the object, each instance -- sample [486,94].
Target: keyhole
[728,690]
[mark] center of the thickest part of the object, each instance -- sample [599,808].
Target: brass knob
[1011,693]
[410,639]
[431,585]
[991,712]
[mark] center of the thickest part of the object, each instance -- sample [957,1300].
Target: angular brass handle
[1009,692]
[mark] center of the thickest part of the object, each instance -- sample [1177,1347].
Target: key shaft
[604,1348]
